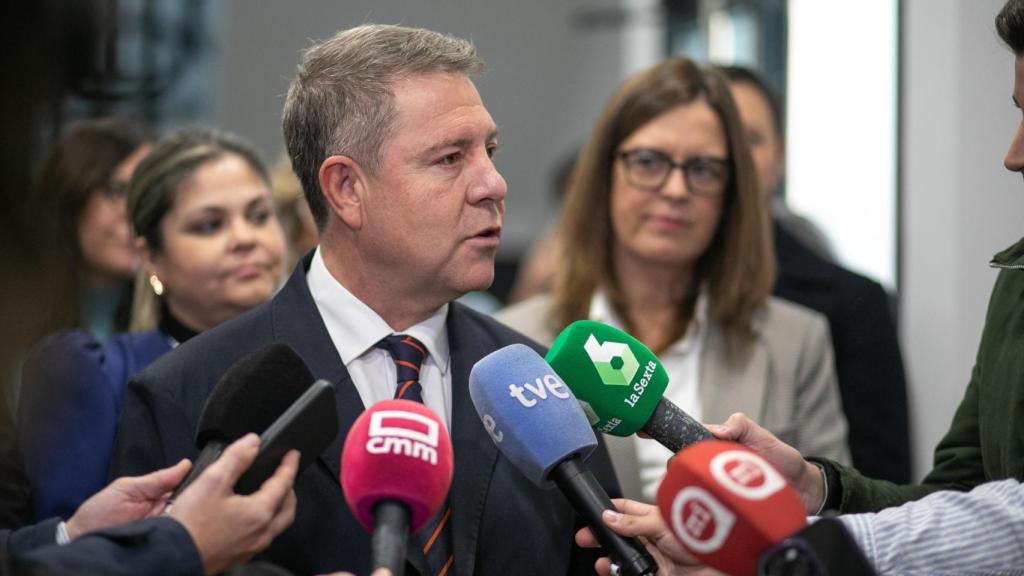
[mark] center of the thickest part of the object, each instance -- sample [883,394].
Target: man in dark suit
[393,147]
[869,366]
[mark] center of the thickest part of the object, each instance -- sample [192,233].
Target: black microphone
[824,548]
[249,397]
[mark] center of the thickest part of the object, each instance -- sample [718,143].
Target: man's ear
[343,184]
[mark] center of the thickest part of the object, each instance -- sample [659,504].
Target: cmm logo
[403,433]
[746,475]
[700,521]
[615,362]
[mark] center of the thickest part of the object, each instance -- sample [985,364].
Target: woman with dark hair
[665,235]
[79,206]
[211,248]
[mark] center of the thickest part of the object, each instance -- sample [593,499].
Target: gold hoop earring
[156,284]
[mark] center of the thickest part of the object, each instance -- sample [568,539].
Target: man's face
[1014,160]
[762,137]
[434,209]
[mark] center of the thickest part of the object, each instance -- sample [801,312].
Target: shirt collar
[355,328]
[601,311]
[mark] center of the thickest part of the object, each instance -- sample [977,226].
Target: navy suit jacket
[155,546]
[869,366]
[71,392]
[501,522]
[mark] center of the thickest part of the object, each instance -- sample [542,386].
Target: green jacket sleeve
[957,465]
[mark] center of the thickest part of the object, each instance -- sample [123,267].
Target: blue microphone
[537,423]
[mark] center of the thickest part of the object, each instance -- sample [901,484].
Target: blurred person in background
[538,266]
[665,236]
[292,211]
[869,365]
[211,248]
[79,203]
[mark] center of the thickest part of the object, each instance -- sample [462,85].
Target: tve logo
[539,390]
[746,475]
[615,362]
[403,433]
[700,521]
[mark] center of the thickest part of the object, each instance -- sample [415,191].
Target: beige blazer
[785,380]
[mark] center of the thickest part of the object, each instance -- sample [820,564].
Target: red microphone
[726,505]
[396,468]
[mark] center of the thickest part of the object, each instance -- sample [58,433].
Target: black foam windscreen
[253,392]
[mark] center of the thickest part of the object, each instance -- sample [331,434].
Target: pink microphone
[396,468]
[726,505]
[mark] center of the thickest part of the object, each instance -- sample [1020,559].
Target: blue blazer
[502,523]
[69,407]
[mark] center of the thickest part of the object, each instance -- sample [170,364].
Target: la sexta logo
[615,362]
[403,433]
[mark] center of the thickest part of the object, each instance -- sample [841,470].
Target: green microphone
[620,382]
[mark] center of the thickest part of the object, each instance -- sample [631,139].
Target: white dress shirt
[355,329]
[682,364]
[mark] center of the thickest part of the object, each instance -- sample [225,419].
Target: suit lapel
[732,382]
[475,452]
[297,322]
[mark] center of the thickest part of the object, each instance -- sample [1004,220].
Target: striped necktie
[408,355]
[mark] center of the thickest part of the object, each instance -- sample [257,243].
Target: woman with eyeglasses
[210,248]
[79,204]
[665,236]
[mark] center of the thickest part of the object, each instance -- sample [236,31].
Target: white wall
[841,90]
[547,81]
[959,205]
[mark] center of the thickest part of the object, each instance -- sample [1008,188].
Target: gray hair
[341,100]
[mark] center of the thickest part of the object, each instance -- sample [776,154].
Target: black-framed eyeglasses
[649,170]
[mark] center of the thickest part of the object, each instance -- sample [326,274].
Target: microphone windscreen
[399,451]
[726,505]
[252,393]
[529,412]
[618,379]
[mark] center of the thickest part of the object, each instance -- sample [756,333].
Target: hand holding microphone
[396,468]
[634,519]
[722,505]
[620,384]
[726,505]
[802,475]
[537,424]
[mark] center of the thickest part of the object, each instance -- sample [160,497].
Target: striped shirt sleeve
[948,532]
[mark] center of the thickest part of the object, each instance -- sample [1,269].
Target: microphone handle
[589,500]
[390,535]
[673,428]
[209,455]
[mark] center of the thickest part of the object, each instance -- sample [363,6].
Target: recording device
[309,425]
[726,505]
[396,468]
[537,424]
[250,397]
[620,384]
[824,548]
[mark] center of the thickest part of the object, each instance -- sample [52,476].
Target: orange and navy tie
[408,354]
